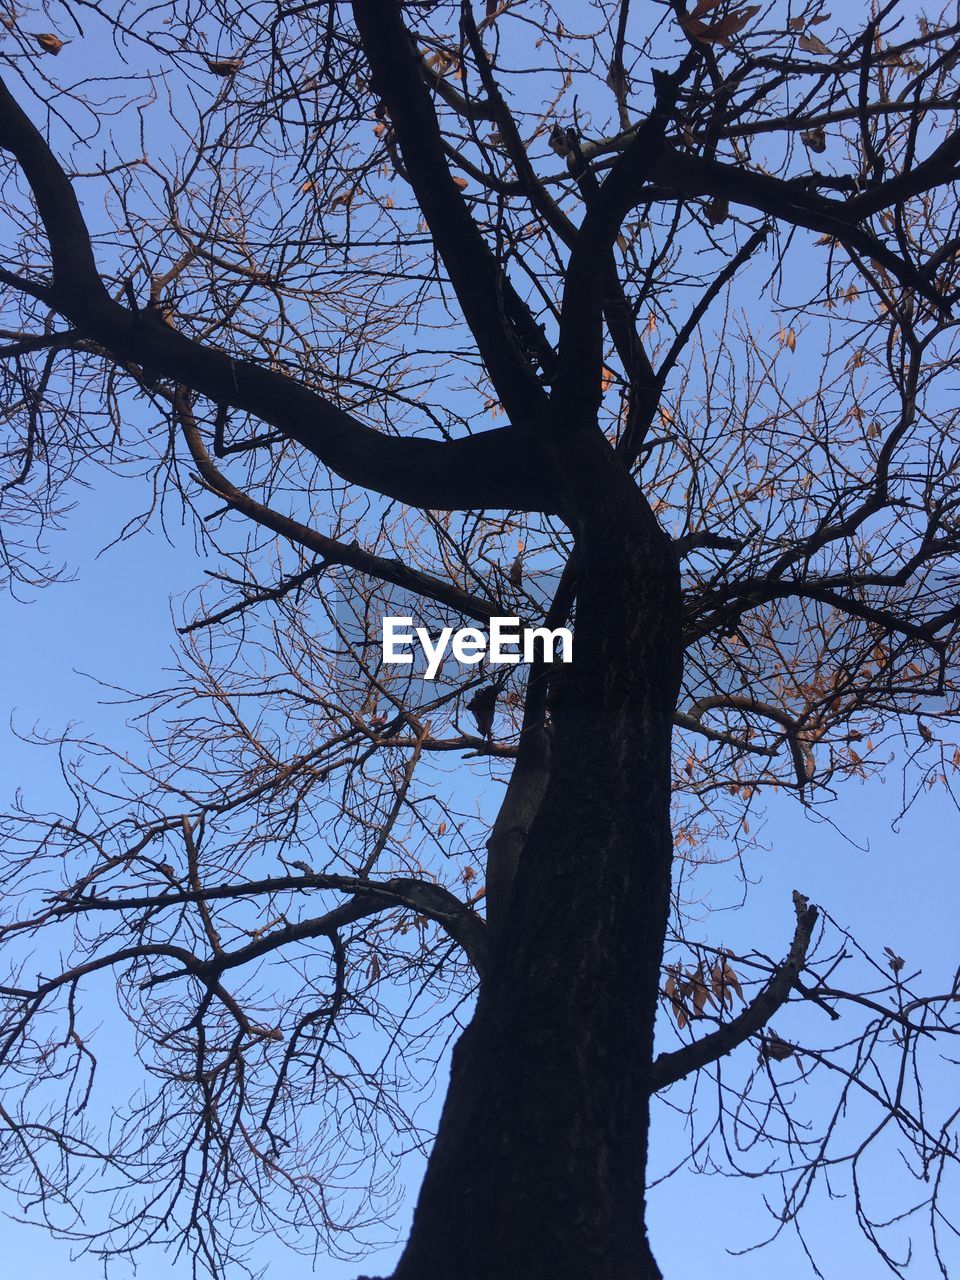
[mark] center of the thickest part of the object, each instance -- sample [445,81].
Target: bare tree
[638,319]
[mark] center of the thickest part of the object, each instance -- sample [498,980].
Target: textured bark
[538,1169]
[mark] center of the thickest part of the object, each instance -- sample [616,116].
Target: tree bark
[539,1164]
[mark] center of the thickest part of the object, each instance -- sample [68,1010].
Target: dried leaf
[718,32]
[224,67]
[814,140]
[50,43]
[675,994]
[700,991]
[812,44]
[703,7]
[775,1048]
[482,705]
[718,210]
[731,980]
[343,199]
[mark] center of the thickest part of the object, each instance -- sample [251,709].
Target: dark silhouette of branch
[671,1067]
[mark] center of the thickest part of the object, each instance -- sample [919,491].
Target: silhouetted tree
[640,319]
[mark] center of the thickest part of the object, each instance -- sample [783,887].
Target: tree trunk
[539,1165]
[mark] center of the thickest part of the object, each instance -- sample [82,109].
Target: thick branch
[506,334]
[790,202]
[332,552]
[577,389]
[498,469]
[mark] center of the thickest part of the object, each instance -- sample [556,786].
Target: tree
[291,263]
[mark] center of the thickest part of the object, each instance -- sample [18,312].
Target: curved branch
[803,759]
[502,468]
[368,897]
[670,1067]
[333,552]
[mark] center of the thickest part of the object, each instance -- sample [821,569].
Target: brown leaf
[704,6]
[701,992]
[343,199]
[812,44]
[462,183]
[731,980]
[718,32]
[675,995]
[718,210]
[814,140]
[225,67]
[775,1048]
[483,704]
[50,43]
[560,141]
